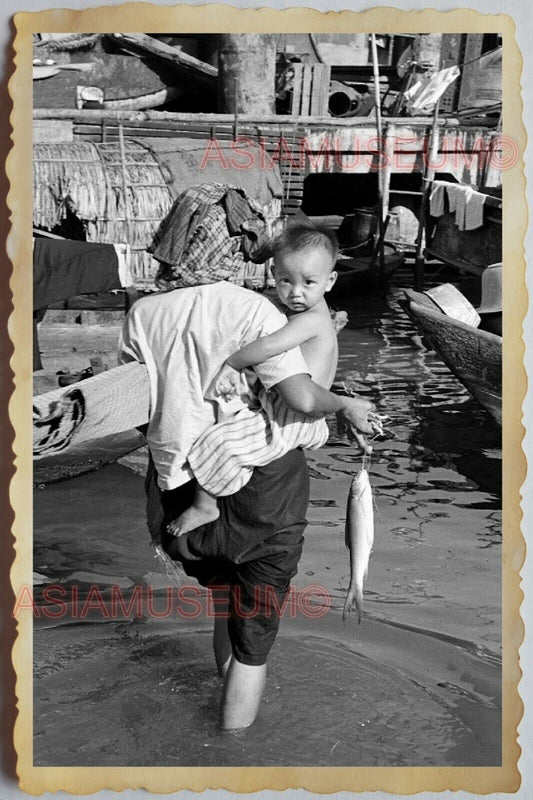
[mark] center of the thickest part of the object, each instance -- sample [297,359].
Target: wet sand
[416,683]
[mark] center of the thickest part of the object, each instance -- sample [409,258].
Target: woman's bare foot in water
[203,510]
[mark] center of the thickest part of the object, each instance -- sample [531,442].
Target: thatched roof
[119,194]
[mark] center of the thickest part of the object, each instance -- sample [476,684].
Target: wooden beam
[282,120]
[144,45]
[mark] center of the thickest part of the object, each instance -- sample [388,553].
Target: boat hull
[473,355]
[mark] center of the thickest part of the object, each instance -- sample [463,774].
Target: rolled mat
[111,402]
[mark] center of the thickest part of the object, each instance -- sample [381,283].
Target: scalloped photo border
[140,17]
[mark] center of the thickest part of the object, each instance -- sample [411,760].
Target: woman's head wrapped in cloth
[209,234]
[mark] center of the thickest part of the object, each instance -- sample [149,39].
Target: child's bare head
[300,237]
[304,258]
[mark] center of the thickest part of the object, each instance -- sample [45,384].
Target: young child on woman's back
[222,459]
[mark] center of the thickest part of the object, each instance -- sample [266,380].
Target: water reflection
[437,427]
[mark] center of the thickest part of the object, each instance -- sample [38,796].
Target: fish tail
[353,596]
[347,606]
[359,603]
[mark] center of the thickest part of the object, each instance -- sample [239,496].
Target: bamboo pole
[429,175]
[491,175]
[284,121]
[381,176]
[124,181]
[387,168]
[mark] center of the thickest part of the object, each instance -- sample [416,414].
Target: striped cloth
[224,456]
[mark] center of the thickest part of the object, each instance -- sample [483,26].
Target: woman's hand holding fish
[353,420]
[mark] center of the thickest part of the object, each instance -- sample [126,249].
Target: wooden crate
[310,94]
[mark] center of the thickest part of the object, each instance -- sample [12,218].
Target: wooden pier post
[428,52]
[247,73]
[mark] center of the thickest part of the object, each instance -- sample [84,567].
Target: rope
[315,48]
[477,58]
[73,41]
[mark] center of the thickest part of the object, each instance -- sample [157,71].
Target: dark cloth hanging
[63,268]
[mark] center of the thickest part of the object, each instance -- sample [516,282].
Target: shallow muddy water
[417,683]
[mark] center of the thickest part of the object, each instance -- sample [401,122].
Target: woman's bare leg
[221,640]
[243,684]
[241,696]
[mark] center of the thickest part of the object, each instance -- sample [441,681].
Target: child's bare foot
[203,510]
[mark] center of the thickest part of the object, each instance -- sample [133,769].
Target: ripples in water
[437,488]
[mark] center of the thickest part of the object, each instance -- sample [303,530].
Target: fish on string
[359,538]
[359,531]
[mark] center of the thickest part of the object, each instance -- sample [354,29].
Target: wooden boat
[473,355]
[358,273]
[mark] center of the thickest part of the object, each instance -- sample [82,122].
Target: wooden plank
[318,106]
[451,49]
[84,131]
[306,88]
[326,81]
[316,93]
[467,92]
[467,266]
[297,90]
[320,89]
[59,130]
[143,44]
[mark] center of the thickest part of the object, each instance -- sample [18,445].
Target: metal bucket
[361,225]
[403,226]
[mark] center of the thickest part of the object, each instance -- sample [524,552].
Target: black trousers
[253,549]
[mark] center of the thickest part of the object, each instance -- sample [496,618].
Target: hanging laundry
[422,96]
[437,198]
[474,210]
[467,203]
[464,201]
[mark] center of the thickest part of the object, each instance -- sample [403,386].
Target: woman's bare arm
[301,394]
